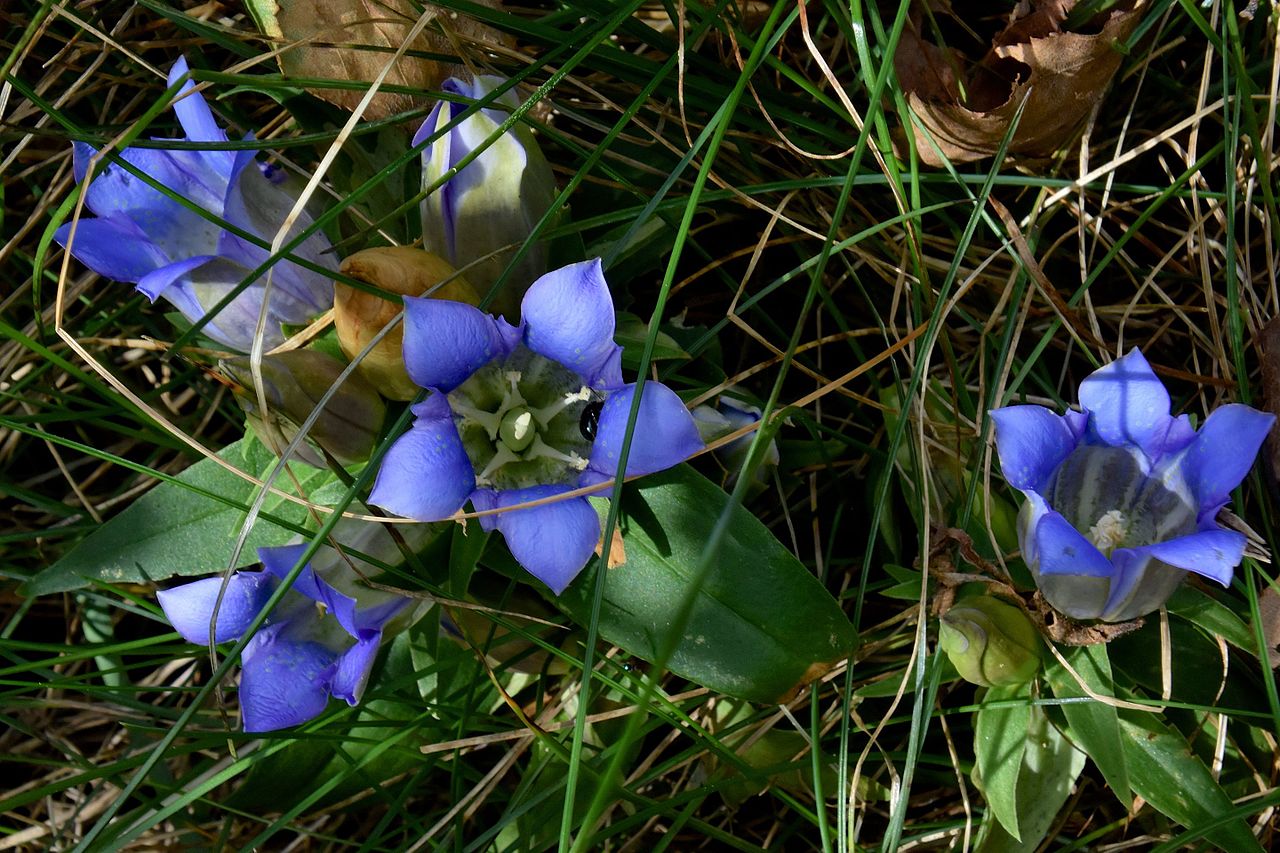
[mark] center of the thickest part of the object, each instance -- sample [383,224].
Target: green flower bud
[359,315]
[990,642]
[293,383]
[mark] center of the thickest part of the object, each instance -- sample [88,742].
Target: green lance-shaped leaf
[1048,771]
[761,625]
[1094,725]
[999,740]
[1167,775]
[186,527]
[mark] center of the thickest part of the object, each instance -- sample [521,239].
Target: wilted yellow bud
[293,383]
[359,316]
[991,643]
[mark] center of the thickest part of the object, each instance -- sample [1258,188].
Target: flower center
[1110,531]
[517,430]
[1106,492]
[519,422]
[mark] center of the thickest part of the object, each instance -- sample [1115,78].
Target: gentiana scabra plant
[473,219]
[1123,498]
[319,642]
[520,413]
[142,236]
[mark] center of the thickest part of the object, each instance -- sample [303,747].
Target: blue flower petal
[1127,404]
[160,282]
[1141,585]
[1212,553]
[282,682]
[665,432]
[1072,574]
[553,541]
[437,158]
[445,342]
[281,560]
[258,205]
[1032,442]
[194,114]
[351,670]
[426,474]
[113,247]
[195,285]
[568,317]
[1063,550]
[189,608]
[1222,454]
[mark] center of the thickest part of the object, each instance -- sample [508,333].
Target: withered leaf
[353,40]
[967,107]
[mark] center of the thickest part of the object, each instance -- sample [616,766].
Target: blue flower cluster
[513,414]
[524,413]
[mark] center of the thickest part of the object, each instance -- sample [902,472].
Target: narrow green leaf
[183,528]
[1167,775]
[762,625]
[1050,767]
[631,333]
[1213,617]
[999,740]
[1093,725]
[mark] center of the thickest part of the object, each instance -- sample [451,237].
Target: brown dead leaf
[1269,616]
[967,107]
[617,550]
[354,40]
[1268,344]
[1069,632]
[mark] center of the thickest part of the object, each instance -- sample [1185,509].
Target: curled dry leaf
[967,107]
[352,40]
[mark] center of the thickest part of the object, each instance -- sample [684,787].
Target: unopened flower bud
[728,415]
[293,384]
[481,214]
[991,643]
[359,315]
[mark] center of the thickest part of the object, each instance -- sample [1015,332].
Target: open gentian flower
[494,201]
[1122,498]
[523,413]
[140,235]
[320,641]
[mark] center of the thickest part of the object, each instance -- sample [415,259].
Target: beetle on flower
[302,655]
[521,413]
[1123,498]
[143,236]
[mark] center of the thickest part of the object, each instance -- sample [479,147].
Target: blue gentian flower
[519,413]
[494,201]
[1122,498]
[142,236]
[320,641]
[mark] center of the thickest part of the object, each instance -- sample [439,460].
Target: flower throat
[523,422]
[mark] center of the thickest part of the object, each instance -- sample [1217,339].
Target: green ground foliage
[875,252]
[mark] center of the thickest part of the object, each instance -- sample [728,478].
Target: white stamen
[540,450]
[489,420]
[546,413]
[502,457]
[1109,531]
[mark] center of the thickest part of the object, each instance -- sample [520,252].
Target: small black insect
[590,420]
